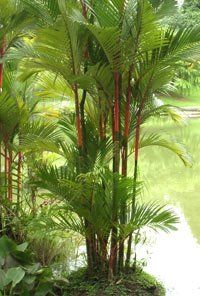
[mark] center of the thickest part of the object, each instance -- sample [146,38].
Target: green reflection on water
[165,175]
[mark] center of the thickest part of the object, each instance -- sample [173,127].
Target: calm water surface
[175,258]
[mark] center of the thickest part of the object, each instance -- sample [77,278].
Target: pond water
[175,258]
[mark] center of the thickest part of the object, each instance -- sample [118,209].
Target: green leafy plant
[108,58]
[19,275]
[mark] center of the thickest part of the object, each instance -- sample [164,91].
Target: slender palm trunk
[124,156]
[116,162]
[104,253]
[10,180]
[78,120]
[84,9]
[32,189]
[2,53]
[8,184]
[126,130]
[82,115]
[1,208]
[6,167]
[19,179]
[90,236]
[82,110]
[80,143]
[81,129]
[136,156]
[116,121]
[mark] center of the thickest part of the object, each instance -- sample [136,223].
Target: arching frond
[168,142]
[155,216]
[40,136]
[150,215]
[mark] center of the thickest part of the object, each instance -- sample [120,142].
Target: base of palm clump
[137,283]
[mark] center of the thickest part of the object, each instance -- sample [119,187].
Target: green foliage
[48,249]
[21,275]
[18,273]
[167,142]
[190,13]
[187,77]
[110,58]
[76,191]
[15,21]
[137,283]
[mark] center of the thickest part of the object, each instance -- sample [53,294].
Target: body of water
[175,257]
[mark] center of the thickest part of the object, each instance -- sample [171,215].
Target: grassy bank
[192,98]
[135,284]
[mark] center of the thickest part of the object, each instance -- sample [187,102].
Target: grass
[192,98]
[135,284]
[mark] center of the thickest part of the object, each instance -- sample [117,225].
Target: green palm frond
[43,11]
[58,50]
[102,75]
[64,183]
[155,216]
[53,86]
[168,142]
[67,221]
[164,8]
[150,215]
[163,111]
[47,51]
[67,126]
[108,12]
[40,135]
[99,152]
[15,20]
[73,33]
[108,38]
[56,219]
[9,116]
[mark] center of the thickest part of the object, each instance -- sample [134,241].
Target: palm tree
[144,67]
[23,127]
[14,20]
[117,55]
[88,196]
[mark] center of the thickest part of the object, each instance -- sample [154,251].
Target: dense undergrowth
[21,275]
[135,283]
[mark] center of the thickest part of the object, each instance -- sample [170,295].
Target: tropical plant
[110,58]
[20,124]
[19,274]
[74,192]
